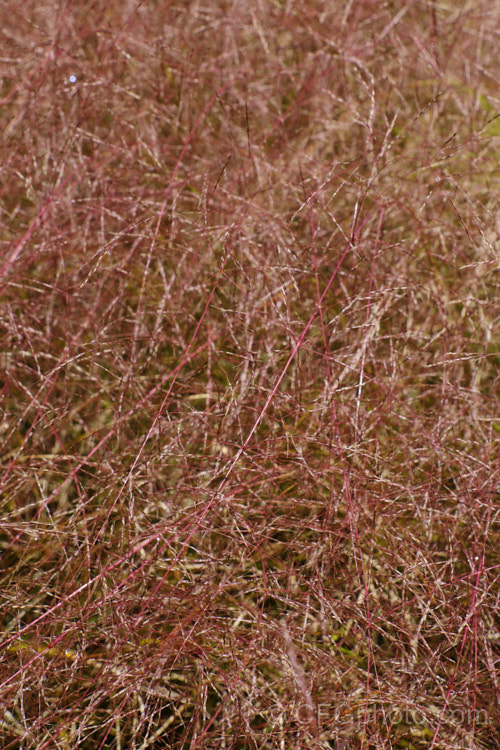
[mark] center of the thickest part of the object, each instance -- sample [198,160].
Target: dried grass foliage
[249,375]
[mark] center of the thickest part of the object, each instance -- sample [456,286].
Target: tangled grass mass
[249,375]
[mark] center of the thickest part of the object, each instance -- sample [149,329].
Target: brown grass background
[249,374]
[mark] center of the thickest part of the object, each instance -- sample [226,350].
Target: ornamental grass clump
[249,375]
